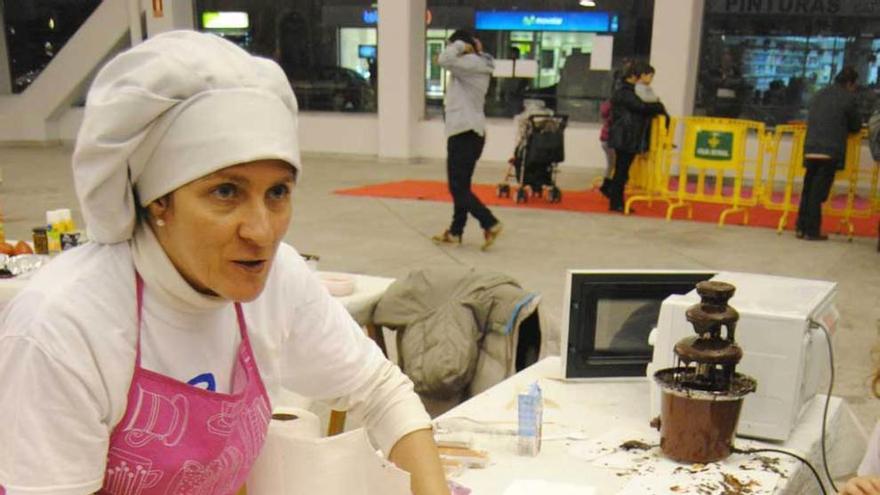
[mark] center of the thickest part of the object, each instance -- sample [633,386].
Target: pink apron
[176,439]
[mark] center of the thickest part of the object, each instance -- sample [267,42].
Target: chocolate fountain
[702,396]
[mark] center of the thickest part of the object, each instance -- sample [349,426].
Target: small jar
[41,241]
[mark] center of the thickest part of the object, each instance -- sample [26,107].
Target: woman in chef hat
[146,361]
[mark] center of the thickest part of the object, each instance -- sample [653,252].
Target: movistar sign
[592,22]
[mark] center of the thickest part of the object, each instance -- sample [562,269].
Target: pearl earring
[160,222]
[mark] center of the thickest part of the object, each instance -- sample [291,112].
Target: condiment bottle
[41,240]
[67,220]
[52,231]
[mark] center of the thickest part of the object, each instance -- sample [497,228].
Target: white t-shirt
[67,353]
[870,465]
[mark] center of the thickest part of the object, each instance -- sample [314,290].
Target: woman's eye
[225,191]
[280,191]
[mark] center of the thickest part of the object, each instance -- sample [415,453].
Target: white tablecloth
[577,415]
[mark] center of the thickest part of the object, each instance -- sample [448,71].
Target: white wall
[339,133]
[582,147]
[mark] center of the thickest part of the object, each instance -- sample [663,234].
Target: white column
[177,14]
[5,73]
[135,29]
[401,62]
[675,52]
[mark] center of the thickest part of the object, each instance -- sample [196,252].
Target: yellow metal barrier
[718,157]
[855,182]
[715,151]
[649,181]
[778,189]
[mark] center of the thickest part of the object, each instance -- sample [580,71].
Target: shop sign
[370,16]
[714,145]
[796,7]
[592,22]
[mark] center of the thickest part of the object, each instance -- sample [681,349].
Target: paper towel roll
[345,464]
[267,475]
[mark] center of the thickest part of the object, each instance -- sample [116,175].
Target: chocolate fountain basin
[697,426]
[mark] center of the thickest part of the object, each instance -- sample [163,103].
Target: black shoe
[816,237]
[618,209]
[799,233]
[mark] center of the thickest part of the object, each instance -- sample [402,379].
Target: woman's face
[222,231]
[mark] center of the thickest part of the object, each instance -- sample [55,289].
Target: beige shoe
[490,234]
[447,238]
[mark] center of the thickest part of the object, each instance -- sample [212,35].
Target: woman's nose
[256,226]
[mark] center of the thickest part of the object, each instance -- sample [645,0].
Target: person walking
[630,117]
[471,70]
[833,115]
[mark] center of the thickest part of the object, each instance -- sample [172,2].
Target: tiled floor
[391,237]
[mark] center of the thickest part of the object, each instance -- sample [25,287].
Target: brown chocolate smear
[636,445]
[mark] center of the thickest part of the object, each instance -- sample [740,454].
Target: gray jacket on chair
[457,328]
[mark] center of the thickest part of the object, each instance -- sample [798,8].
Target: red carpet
[593,202]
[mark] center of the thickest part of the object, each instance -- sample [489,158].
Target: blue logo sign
[591,22]
[370,16]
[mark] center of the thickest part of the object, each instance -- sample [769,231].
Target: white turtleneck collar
[161,277]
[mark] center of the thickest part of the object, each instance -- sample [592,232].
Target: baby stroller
[533,166]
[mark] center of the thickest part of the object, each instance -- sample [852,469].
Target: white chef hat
[175,108]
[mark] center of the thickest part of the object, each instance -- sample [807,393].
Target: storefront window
[563,53]
[36,31]
[764,62]
[326,48]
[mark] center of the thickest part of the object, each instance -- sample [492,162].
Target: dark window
[764,60]
[37,30]
[319,44]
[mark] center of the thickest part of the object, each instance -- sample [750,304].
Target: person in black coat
[630,130]
[833,115]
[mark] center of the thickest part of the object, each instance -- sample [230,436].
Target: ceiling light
[587,3]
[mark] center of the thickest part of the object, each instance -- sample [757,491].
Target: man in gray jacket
[471,70]
[833,115]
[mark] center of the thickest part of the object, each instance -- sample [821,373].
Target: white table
[367,292]
[593,409]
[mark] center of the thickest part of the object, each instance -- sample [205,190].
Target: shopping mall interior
[371,99]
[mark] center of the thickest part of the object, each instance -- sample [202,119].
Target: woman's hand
[862,485]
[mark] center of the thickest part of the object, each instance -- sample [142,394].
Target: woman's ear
[159,209]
